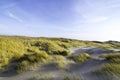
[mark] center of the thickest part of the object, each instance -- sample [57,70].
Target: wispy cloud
[111,6]
[89,12]
[13,16]
[94,19]
[104,3]
[6,6]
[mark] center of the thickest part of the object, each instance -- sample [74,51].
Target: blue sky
[78,19]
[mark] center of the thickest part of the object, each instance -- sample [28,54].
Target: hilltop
[20,54]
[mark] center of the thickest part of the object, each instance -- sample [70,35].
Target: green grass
[111,68]
[28,61]
[82,57]
[27,51]
[59,61]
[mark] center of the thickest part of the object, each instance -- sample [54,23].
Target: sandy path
[51,71]
[46,71]
[86,67]
[92,51]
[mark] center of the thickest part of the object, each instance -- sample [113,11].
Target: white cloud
[111,6]
[94,19]
[11,15]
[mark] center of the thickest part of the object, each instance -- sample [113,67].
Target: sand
[84,69]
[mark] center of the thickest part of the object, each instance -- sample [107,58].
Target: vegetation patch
[82,57]
[112,67]
[28,51]
[28,61]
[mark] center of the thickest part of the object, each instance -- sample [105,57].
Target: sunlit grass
[82,57]
[111,68]
[28,51]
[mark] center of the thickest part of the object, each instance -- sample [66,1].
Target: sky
[77,19]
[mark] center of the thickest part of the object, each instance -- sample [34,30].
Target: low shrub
[111,56]
[81,57]
[28,61]
[58,60]
[64,52]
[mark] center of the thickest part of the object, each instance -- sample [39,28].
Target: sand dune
[52,71]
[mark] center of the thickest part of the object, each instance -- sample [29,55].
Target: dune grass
[82,57]
[27,51]
[111,68]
